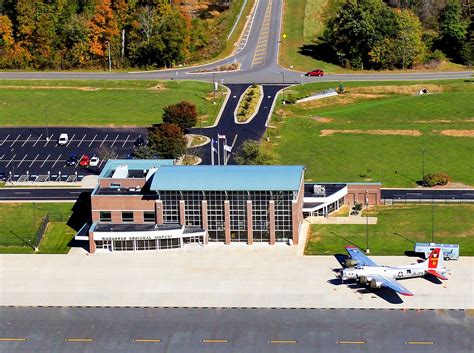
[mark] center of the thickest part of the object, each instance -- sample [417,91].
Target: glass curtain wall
[215,212]
[238,215]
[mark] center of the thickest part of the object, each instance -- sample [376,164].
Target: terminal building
[155,204]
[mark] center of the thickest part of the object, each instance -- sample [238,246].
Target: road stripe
[56,161]
[82,140]
[105,138]
[90,144]
[215,341]
[146,340]
[351,342]
[22,159]
[420,342]
[26,140]
[15,141]
[282,341]
[45,161]
[34,160]
[72,138]
[113,143]
[126,141]
[39,138]
[22,192]
[11,160]
[6,138]
[12,339]
[79,339]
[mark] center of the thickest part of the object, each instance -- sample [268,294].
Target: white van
[63,139]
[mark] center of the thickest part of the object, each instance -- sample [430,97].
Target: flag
[212,145]
[227,148]
[220,136]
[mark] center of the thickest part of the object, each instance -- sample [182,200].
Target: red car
[85,160]
[316,72]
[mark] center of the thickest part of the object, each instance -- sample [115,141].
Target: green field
[104,103]
[398,229]
[20,221]
[388,129]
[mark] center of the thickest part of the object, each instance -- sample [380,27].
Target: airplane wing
[436,274]
[359,256]
[392,284]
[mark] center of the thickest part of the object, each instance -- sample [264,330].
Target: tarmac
[216,276]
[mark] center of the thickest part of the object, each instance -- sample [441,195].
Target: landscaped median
[249,104]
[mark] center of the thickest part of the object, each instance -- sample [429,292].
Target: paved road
[178,330]
[42,194]
[437,195]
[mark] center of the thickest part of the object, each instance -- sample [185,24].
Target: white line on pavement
[72,138]
[82,140]
[6,138]
[15,140]
[48,139]
[45,161]
[34,160]
[56,161]
[105,138]
[114,141]
[22,160]
[126,141]
[11,160]
[3,155]
[37,140]
[26,140]
[90,144]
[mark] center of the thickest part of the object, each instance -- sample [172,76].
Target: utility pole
[110,59]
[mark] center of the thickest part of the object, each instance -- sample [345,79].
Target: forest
[80,34]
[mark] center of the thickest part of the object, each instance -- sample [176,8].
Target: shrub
[183,114]
[291,99]
[358,207]
[433,179]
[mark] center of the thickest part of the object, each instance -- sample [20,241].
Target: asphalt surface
[26,151]
[437,195]
[178,330]
[235,133]
[42,194]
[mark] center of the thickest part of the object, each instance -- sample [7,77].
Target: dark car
[3,176]
[316,72]
[72,159]
[140,141]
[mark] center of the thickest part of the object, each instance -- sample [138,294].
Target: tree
[453,30]
[183,114]
[251,153]
[101,28]
[167,140]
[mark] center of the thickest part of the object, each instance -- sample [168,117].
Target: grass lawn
[311,133]
[398,229]
[106,103]
[56,238]
[20,221]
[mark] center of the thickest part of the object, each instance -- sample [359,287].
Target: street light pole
[432,220]
[46,121]
[366,223]
[214,87]
[422,163]
[110,59]
[283,76]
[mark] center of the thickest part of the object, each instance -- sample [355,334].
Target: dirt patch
[341,99]
[458,133]
[404,90]
[158,87]
[90,89]
[329,132]
[320,119]
[437,121]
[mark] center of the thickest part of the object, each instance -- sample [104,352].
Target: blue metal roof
[133,164]
[229,177]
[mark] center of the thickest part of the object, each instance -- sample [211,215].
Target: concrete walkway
[342,220]
[216,276]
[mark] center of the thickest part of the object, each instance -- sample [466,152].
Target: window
[149,216]
[127,216]
[169,243]
[115,185]
[105,216]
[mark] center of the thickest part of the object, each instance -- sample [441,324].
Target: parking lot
[33,154]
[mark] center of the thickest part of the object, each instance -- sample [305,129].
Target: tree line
[398,34]
[76,34]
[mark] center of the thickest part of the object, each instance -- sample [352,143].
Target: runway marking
[282,341]
[6,138]
[12,339]
[82,140]
[79,340]
[215,341]
[420,342]
[22,160]
[90,144]
[351,342]
[45,161]
[56,161]
[34,160]
[39,138]
[15,141]
[146,340]
[11,160]
[126,141]
[113,143]
[72,138]
[105,138]
[26,140]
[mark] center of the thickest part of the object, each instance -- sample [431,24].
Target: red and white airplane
[365,271]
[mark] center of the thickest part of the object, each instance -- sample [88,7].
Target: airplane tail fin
[435,264]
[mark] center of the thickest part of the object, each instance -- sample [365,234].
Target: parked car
[63,139]
[140,141]
[3,176]
[72,159]
[85,160]
[316,72]
[94,162]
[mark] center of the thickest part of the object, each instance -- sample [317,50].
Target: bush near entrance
[249,103]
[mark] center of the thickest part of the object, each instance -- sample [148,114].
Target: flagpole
[218,150]
[225,150]
[212,151]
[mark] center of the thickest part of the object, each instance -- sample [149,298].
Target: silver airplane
[362,269]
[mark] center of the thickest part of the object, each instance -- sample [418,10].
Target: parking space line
[100,164]
[34,160]
[49,139]
[37,140]
[72,138]
[45,161]
[3,155]
[105,138]
[26,140]
[11,160]
[6,138]
[113,143]
[82,140]
[77,164]
[22,160]
[15,140]
[90,144]
[126,140]
[56,161]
